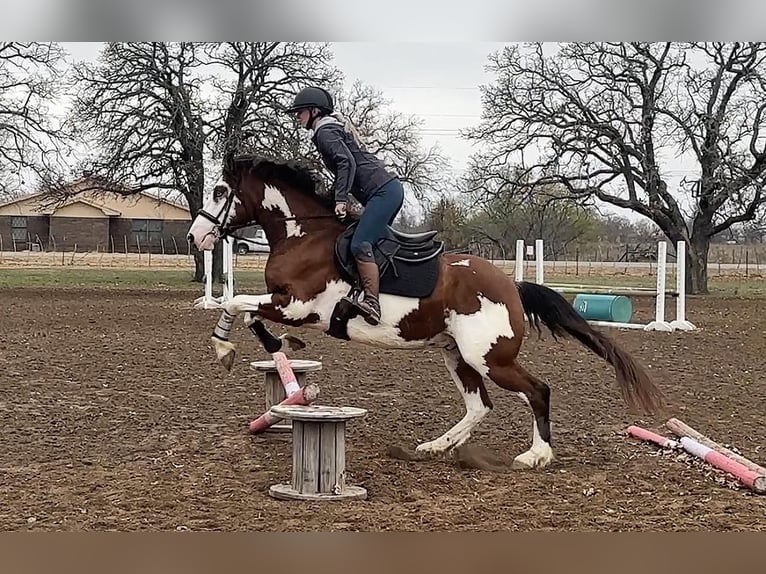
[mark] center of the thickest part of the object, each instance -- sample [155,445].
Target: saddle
[408,265]
[408,262]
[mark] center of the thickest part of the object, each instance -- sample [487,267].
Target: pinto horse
[461,304]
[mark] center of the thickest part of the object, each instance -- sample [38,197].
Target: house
[94,221]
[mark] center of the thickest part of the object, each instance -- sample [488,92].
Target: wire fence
[723,260]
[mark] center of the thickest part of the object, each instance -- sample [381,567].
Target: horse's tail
[544,304]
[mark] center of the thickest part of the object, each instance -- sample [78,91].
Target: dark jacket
[356,170]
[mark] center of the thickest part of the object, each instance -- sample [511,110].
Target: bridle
[221,230]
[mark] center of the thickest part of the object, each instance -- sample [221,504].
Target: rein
[299,218]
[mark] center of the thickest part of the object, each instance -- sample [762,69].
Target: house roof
[75,200]
[141,205]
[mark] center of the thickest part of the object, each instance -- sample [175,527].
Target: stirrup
[365,311]
[369,315]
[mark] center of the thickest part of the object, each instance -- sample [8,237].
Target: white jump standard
[659,292]
[207,301]
[319,453]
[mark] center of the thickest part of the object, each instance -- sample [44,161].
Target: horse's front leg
[253,306]
[271,343]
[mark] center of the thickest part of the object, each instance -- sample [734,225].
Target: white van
[251,242]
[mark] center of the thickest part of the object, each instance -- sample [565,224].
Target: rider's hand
[340,210]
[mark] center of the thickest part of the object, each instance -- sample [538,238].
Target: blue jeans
[380,211]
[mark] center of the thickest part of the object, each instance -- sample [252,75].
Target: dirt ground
[116,415]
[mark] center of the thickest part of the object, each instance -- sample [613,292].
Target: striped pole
[749,478]
[295,395]
[645,434]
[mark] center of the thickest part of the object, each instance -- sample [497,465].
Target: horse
[461,304]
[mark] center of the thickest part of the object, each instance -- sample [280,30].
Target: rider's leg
[379,212]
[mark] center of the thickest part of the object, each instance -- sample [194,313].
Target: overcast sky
[438,82]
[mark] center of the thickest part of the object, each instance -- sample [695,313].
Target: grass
[252,280]
[20,278]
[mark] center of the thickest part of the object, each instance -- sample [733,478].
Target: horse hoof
[228,360]
[533,459]
[293,342]
[520,465]
[432,449]
[225,351]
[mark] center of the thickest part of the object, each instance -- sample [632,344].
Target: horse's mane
[298,174]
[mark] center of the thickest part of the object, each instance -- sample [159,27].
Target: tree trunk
[218,262]
[195,175]
[199,266]
[696,264]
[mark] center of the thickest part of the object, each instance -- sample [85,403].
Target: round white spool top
[297,365]
[317,412]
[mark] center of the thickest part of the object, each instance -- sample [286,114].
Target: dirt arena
[116,416]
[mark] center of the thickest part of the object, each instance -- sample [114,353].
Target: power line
[455,88]
[449,115]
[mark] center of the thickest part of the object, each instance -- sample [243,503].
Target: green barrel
[615,308]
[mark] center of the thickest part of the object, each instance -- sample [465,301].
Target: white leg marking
[541,453]
[274,199]
[241,303]
[475,411]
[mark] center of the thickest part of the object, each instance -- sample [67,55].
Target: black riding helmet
[312,97]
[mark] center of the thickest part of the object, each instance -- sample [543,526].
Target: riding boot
[370,276]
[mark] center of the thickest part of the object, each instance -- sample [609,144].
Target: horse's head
[276,195]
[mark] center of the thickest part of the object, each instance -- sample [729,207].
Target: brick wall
[121,229]
[89,234]
[37,230]
[103,234]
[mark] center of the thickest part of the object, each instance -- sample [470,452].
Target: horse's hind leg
[477,404]
[536,394]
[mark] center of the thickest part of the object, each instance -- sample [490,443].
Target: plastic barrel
[615,308]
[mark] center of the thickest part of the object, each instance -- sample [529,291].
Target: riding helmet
[312,97]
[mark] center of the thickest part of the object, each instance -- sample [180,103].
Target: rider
[358,172]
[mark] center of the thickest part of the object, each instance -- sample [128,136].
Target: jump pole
[295,395]
[751,479]
[746,475]
[647,435]
[276,384]
[682,429]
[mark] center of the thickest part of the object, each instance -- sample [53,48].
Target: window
[147,231]
[19,229]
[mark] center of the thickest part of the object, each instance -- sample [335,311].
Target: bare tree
[258,79]
[449,217]
[603,119]
[141,111]
[30,140]
[161,113]
[395,138]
